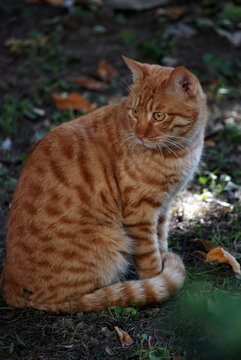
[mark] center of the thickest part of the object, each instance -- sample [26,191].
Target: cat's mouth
[161,144]
[152,143]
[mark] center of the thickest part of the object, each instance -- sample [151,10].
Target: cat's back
[57,158]
[62,170]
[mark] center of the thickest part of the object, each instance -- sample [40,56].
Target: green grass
[223,75]
[128,37]
[218,173]
[205,320]
[121,314]
[49,57]
[12,112]
[145,350]
[60,117]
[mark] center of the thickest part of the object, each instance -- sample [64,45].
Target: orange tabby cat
[100,187]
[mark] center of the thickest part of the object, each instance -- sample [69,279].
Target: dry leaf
[176,357]
[173,12]
[89,83]
[214,81]
[206,245]
[124,337]
[220,255]
[51,2]
[210,143]
[55,2]
[201,253]
[16,45]
[105,71]
[72,101]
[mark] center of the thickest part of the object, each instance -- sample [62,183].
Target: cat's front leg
[147,255]
[162,233]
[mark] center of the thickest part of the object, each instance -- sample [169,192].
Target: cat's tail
[146,291]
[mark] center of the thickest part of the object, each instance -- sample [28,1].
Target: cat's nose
[140,132]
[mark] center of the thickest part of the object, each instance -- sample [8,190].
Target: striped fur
[99,188]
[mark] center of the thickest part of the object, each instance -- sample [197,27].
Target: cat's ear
[138,70]
[183,81]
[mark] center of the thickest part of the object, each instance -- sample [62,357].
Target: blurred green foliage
[206,322]
[12,112]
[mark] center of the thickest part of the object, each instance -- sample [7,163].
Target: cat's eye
[135,113]
[159,116]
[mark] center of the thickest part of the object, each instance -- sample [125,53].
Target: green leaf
[19,341]
[203,180]
[128,37]
[118,310]
[11,348]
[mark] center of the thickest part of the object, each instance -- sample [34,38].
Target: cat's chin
[148,144]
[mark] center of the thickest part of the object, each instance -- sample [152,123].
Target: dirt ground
[78,38]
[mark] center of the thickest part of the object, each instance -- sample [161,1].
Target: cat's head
[166,105]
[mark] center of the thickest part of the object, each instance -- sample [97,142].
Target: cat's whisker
[174,143]
[170,150]
[180,137]
[160,148]
[133,144]
[127,139]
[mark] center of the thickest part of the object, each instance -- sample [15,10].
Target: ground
[78,38]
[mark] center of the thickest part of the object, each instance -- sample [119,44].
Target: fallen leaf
[209,143]
[220,255]
[207,245]
[72,101]
[124,337]
[172,12]
[214,81]
[51,2]
[201,253]
[176,357]
[88,83]
[16,45]
[105,71]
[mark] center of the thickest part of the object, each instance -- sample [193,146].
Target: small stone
[38,111]
[6,144]
[99,29]
[106,332]
[169,61]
